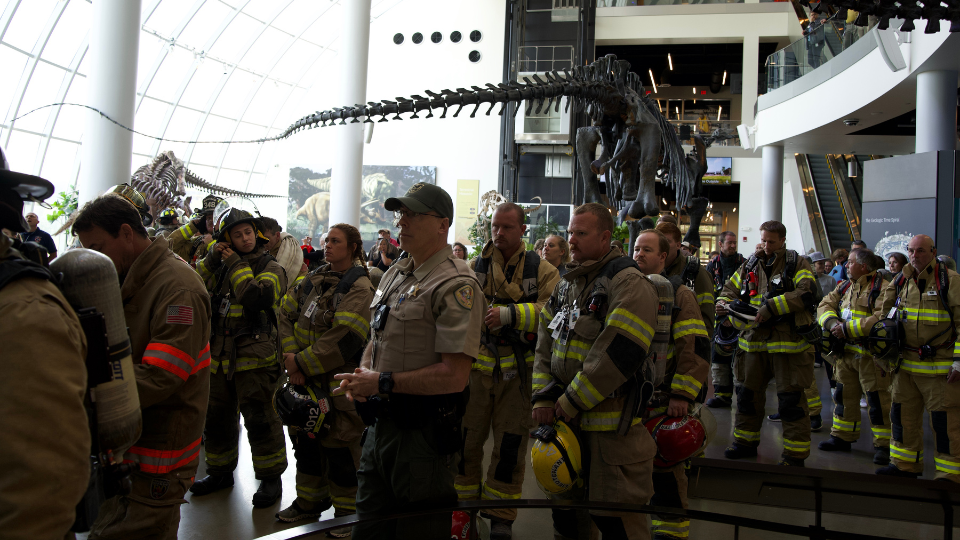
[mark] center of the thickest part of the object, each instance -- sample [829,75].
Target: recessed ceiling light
[670,60]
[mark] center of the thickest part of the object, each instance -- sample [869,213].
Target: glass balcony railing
[541,58]
[626,3]
[686,129]
[817,47]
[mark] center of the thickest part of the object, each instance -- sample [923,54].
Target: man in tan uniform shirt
[426,319]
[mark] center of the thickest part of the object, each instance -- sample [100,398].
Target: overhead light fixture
[653,82]
[852,168]
[719,110]
[724,78]
[659,107]
[678,112]
[670,61]
[664,199]
[734,208]
[694,90]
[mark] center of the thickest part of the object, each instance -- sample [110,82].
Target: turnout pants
[721,373]
[858,375]
[150,512]
[327,465]
[505,406]
[793,374]
[400,469]
[812,395]
[617,469]
[670,489]
[249,393]
[911,394]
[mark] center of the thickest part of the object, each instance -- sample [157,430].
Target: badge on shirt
[310,309]
[180,315]
[847,314]
[464,296]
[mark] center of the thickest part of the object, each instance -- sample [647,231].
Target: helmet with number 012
[303,407]
[678,438]
[556,458]
[884,343]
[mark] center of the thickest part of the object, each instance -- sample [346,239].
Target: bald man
[930,379]
[34,234]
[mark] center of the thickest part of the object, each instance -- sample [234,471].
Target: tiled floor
[229,514]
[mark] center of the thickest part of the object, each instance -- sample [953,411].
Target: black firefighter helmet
[234,211]
[726,339]
[884,342]
[303,407]
[15,189]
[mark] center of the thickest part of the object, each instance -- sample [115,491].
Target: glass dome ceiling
[208,70]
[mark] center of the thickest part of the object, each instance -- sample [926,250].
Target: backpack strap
[482,268]
[842,288]
[346,282]
[690,272]
[875,290]
[531,269]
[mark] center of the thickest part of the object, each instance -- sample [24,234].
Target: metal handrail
[844,208]
[314,530]
[818,226]
[846,190]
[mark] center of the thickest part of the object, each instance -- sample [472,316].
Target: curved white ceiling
[207,70]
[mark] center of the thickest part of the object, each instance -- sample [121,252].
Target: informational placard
[468,201]
[889,225]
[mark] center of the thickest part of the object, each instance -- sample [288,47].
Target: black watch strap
[386,382]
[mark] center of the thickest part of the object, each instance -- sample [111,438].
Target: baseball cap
[817,256]
[423,197]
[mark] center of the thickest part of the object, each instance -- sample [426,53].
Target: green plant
[620,232]
[64,205]
[544,228]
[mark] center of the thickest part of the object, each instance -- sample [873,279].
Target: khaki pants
[620,470]
[721,373]
[249,393]
[327,466]
[856,375]
[793,374]
[911,395]
[150,512]
[670,489]
[505,406]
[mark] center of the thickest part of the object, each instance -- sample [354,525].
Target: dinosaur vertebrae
[907,10]
[203,185]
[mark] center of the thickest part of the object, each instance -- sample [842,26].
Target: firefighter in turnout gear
[192,241]
[410,386]
[781,285]
[516,284]
[688,270]
[721,268]
[167,222]
[847,313]
[593,339]
[685,375]
[167,312]
[324,327]
[245,284]
[46,442]
[925,297]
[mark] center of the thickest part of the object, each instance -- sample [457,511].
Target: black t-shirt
[41,238]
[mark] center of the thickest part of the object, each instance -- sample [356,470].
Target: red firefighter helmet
[461,526]
[677,438]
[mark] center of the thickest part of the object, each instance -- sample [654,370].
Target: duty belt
[235,333]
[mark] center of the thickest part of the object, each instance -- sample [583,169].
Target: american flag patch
[179,315]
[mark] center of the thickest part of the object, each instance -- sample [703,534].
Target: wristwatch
[386,382]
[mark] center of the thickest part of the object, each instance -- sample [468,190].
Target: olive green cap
[422,198]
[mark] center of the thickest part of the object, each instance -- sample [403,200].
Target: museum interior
[837,119]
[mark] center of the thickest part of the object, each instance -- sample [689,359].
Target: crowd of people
[391,369]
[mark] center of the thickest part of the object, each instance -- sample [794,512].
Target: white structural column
[751,53]
[111,88]
[771,193]
[936,111]
[348,161]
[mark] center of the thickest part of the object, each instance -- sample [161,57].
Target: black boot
[270,490]
[833,444]
[892,470]
[738,451]
[882,455]
[211,483]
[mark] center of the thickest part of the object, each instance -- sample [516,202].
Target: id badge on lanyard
[225,306]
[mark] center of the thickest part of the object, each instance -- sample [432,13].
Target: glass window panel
[205,80]
[28,22]
[68,34]
[204,172]
[262,10]
[380,7]
[70,120]
[291,110]
[22,150]
[214,129]
[322,67]
[58,163]
[265,105]
[148,120]
[261,56]
[298,15]
[235,36]
[183,124]
[13,62]
[292,63]
[234,94]
[239,156]
[265,158]
[174,67]
[326,29]
[200,29]
[84,64]
[231,179]
[178,149]
[42,91]
[168,15]
[150,47]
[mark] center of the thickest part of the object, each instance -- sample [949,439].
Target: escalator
[832,199]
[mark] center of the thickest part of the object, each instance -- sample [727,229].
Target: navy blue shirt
[41,238]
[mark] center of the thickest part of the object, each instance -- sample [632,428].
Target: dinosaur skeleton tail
[203,185]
